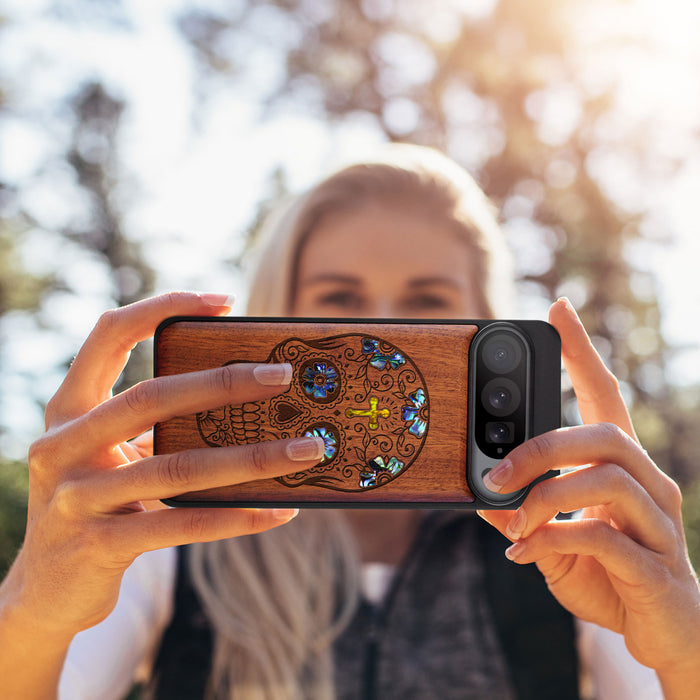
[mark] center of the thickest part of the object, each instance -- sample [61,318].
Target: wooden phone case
[388,398]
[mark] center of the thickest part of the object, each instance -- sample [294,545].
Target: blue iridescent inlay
[329,440]
[369,346]
[376,468]
[379,360]
[412,413]
[319,380]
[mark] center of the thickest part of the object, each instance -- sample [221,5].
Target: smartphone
[412,413]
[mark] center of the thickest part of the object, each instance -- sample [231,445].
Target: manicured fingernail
[218,299]
[517,525]
[499,476]
[306,449]
[273,375]
[285,514]
[515,550]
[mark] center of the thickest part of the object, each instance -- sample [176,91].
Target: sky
[187,184]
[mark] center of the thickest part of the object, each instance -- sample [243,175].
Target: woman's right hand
[88,516]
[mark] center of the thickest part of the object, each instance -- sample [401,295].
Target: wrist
[32,656]
[682,681]
[20,620]
[25,630]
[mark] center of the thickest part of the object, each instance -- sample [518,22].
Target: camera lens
[499,432]
[500,396]
[502,353]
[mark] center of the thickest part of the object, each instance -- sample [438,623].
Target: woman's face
[385,261]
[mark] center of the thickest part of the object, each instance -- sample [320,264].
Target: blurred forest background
[580,119]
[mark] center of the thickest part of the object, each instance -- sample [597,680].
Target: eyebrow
[351,280]
[433,281]
[332,277]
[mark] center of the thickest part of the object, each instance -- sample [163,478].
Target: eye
[345,299]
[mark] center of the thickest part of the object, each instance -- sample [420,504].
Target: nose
[383,308]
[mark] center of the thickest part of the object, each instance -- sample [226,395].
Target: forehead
[385,239]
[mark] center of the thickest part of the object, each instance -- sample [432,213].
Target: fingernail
[306,449]
[273,375]
[285,514]
[498,476]
[517,525]
[515,550]
[218,299]
[569,306]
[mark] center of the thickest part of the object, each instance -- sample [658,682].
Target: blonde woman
[356,603]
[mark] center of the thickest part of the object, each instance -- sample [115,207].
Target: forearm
[681,679]
[681,683]
[31,657]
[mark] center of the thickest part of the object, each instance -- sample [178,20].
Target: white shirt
[104,661]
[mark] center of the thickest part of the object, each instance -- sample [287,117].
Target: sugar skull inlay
[362,395]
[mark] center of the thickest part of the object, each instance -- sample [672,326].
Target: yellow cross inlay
[373,413]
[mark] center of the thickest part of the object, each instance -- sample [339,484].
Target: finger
[143,444]
[596,388]
[614,550]
[102,357]
[155,400]
[579,445]
[497,518]
[156,529]
[165,476]
[605,486]
[138,448]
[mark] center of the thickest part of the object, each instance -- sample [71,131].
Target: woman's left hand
[623,564]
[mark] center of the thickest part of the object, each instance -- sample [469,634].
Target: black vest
[415,645]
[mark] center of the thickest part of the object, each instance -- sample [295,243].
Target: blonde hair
[404,175]
[277,600]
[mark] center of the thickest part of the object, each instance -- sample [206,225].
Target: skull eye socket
[330,438]
[320,380]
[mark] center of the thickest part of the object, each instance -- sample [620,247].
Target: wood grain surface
[389,399]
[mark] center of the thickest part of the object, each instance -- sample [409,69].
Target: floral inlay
[329,440]
[320,380]
[376,468]
[381,360]
[416,413]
